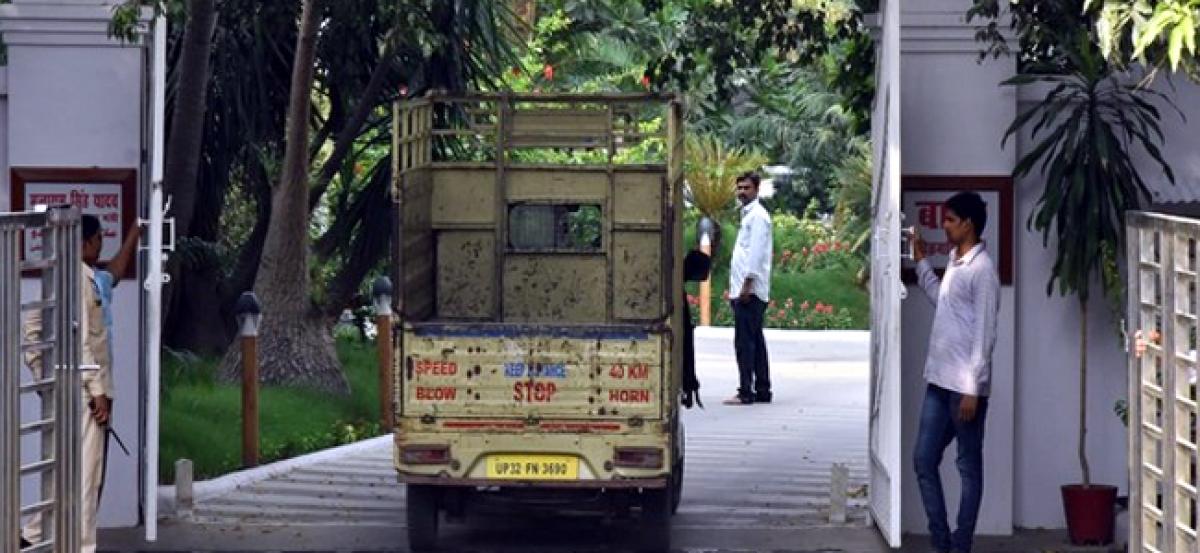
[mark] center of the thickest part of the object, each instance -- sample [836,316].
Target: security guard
[96,291]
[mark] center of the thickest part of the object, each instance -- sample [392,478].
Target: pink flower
[548,72]
[804,306]
[646,82]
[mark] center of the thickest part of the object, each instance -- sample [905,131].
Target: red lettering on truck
[629,396]
[436,368]
[530,391]
[441,393]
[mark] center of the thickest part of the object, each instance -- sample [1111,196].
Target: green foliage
[1037,26]
[818,300]
[711,168]
[852,199]
[1159,33]
[201,414]
[1084,131]
[800,282]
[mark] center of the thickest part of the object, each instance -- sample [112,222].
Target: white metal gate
[1163,278]
[886,290]
[57,387]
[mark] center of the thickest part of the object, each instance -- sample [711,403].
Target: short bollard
[185,498]
[838,482]
[381,290]
[249,313]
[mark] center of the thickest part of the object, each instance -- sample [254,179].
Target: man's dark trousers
[751,348]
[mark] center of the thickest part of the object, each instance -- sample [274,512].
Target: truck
[539,307]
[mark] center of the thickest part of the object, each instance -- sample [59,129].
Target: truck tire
[422,513]
[654,535]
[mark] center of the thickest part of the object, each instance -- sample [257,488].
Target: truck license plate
[533,467]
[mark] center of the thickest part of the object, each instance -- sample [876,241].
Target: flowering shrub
[822,255]
[789,314]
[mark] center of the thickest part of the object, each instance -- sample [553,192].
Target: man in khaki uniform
[95,296]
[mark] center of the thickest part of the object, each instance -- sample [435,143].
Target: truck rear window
[555,227]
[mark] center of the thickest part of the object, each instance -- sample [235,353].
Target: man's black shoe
[24,543]
[763,398]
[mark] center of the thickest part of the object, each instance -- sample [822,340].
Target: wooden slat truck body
[539,305]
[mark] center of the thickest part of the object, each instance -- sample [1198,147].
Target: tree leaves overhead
[733,34]
[1159,33]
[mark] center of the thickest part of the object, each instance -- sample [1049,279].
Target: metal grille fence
[1163,303]
[57,387]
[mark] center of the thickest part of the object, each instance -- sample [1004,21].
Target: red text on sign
[629,396]
[636,371]
[442,393]
[437,368]
[529,391]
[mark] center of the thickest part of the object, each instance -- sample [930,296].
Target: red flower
[820,308]
[836,246]
[548,72]
[646,82]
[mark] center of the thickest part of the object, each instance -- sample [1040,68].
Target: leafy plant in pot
[1083,134]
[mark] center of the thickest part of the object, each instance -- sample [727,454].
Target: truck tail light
[425,454]
[638,457]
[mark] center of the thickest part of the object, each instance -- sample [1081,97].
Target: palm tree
[710,169]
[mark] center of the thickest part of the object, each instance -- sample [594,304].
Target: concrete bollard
[838,482]
[185,497]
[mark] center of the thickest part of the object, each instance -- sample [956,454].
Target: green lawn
[201,416]
[834,286]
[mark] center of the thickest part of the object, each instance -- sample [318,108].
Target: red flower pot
[1091,513]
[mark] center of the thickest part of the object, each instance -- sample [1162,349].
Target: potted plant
[1083,133]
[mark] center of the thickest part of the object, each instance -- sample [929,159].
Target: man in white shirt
[749,288]
[957,369]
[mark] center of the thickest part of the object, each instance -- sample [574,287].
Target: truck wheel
[676,486]
[422,513]
[654,536]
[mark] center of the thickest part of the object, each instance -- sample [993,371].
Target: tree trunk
[295,347]
[187,119]
[346,137]
[1083,342]
[182,163]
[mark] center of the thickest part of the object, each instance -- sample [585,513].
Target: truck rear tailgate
[521,371]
